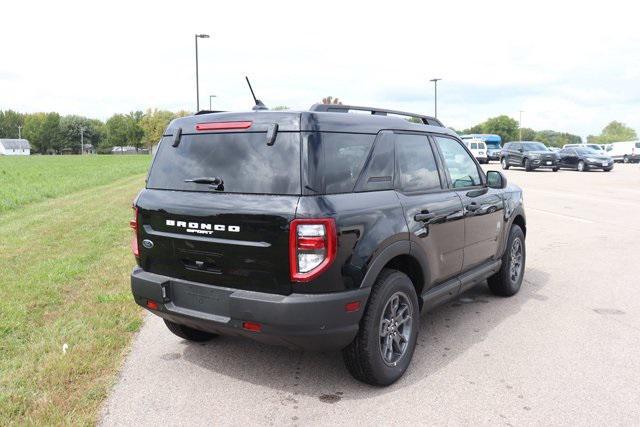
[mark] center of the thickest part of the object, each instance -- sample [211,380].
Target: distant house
[15,147]
[88,149]
[128,149]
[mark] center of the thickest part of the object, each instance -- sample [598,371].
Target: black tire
[555,169]
[527,165]
[504,163]
[607,169]
[363,357]
[188,333]
[582,166]
[503,283]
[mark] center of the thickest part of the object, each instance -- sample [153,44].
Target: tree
[43,132]
[153,124]
[116,132]
[70,130]
[613,132]
[331,100]
[502,125]
[9,122]
[552,138]
[528,134]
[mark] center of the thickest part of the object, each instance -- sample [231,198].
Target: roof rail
[339,108]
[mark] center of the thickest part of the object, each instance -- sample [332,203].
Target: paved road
[565,350]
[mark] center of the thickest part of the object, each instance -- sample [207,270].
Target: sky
[569,66]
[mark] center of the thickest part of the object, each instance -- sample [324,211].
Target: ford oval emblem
[147,243]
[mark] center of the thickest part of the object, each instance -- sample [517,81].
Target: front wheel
[508,280]
[607,169]
[504,163]
[582,166]
[555,169]
[527,165]
[381,352]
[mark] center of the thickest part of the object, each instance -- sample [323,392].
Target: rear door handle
[424,216]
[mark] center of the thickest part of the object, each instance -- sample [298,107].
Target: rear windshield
[243,161]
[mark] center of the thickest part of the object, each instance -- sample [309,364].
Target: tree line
[509,130]
[51,133]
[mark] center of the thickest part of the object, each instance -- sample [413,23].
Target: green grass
[28,179]
[64,266]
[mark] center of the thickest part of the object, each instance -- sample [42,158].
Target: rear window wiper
[215,182]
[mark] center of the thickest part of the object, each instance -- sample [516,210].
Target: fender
[395,249]
[517,211]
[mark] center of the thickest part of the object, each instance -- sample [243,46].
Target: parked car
[595,147]
[627,151]
[582,159]
[320,230]
[478,148]
[529,155]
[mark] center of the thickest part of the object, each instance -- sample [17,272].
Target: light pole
[435,88]
[81,140]
[198,36]
[19,134]
[210,96]
[520,124]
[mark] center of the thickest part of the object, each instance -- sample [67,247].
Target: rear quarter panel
[366,222]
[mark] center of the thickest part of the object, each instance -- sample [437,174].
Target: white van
[627,151]
[478,148]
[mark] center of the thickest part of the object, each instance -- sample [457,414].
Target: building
[15,147]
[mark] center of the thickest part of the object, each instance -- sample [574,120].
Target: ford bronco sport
[319,230]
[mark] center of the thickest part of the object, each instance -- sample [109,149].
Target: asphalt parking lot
[565,350]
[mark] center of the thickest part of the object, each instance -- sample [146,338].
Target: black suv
[320,230]
[529,155]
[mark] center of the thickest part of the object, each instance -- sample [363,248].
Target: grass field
[29,179]
[64,265]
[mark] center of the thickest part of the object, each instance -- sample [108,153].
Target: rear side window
[243,161]
[335,160]
[417,168]
[474,145]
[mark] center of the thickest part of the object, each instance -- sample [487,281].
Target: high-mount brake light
[312,247]
[222,126]
[134,226]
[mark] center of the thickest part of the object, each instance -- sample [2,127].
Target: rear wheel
[527,165]
[504,163]
[582,166]
[382,350]
[188,333]
[507,281]
[607,169]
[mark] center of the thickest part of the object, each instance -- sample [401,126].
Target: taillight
[134,226]
[312,247]
[222,126]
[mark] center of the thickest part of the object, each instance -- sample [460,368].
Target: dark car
[529,155]
[582,159]
[320,230]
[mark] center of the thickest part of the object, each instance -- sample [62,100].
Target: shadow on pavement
[445,333]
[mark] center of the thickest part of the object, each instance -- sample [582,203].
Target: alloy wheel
[515,269]
[395,328]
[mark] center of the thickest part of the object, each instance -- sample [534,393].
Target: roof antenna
[259,104]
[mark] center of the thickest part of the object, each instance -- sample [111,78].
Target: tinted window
[335,160]
[378,174]
[243,161]
[462,169]
[637,144]
[417,168]
[474,146]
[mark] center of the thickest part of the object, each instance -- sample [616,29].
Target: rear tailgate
[230,240]
[219,200]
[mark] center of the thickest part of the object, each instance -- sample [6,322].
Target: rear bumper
[299,321]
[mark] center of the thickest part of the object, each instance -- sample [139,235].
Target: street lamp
[198,36]
[435,88]
[520,124]
[81,140]
[19,134]
[211,96]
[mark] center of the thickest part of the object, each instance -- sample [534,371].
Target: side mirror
[496,179]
